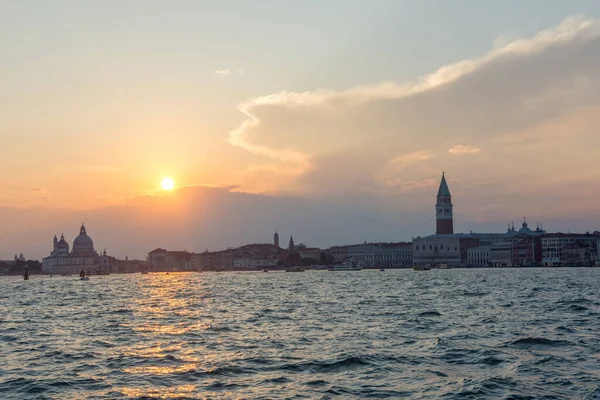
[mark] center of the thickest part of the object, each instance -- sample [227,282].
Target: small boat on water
[87,278]
[347,265]
[381,269]
[265,270]
[294,269]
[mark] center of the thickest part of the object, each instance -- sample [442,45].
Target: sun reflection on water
[162,393]
[169,307]
[155,370]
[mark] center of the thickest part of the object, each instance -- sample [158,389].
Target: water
[450,334]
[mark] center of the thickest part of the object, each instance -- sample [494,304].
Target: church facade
[82,256]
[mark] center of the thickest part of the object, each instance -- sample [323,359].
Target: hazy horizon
[329,123]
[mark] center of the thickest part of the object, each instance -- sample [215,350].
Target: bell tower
[443,210]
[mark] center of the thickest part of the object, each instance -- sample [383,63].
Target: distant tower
[276,239]
[291,246]
[443,210]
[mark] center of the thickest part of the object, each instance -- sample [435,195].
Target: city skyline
[338,142]
[443,227]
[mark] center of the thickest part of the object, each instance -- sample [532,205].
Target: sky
[328,120]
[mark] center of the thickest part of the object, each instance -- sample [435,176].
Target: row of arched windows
[431,247]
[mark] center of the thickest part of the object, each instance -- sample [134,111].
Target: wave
[564,329]
[122,311]
[430,314]
[26,388]
[340,365]
[281,379]
[576,307]
[474,294]
[489,320]
[538,341]
[317,382]
[488,388]
[578,300]
[225,371]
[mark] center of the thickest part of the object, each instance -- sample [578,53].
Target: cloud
[531,103]
[228,72]
[222,72]
[461,149]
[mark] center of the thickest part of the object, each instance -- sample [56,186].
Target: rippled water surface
[499,333]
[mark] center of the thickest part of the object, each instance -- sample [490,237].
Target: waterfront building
[339,253]
[382,255]
[214,260]
[178,261]
[525,245]
[253,263]
[157,259]
[311,253]
[479,256]
[82,256]
[256,256]
[488,239]
[165,260]
[16,264]
[526,250]
[130,266]
[568,248]
[501,254]
[451,249]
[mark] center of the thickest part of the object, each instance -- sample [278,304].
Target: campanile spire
[443,209]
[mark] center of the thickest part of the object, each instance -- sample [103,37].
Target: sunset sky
[328,120]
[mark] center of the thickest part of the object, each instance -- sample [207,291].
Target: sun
[168,184]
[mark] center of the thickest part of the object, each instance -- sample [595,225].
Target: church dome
[524,227]
[62,244]
[83,242]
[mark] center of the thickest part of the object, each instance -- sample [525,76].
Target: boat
[381,269]
[265,270]
[347,265]
[294,269]
[144,272]
[87,278]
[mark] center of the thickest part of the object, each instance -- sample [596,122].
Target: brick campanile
[443,210]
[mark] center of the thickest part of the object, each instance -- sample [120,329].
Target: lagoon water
[451,334]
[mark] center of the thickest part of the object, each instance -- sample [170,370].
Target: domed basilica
[83,256]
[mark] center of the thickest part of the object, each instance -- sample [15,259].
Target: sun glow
[168,184]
